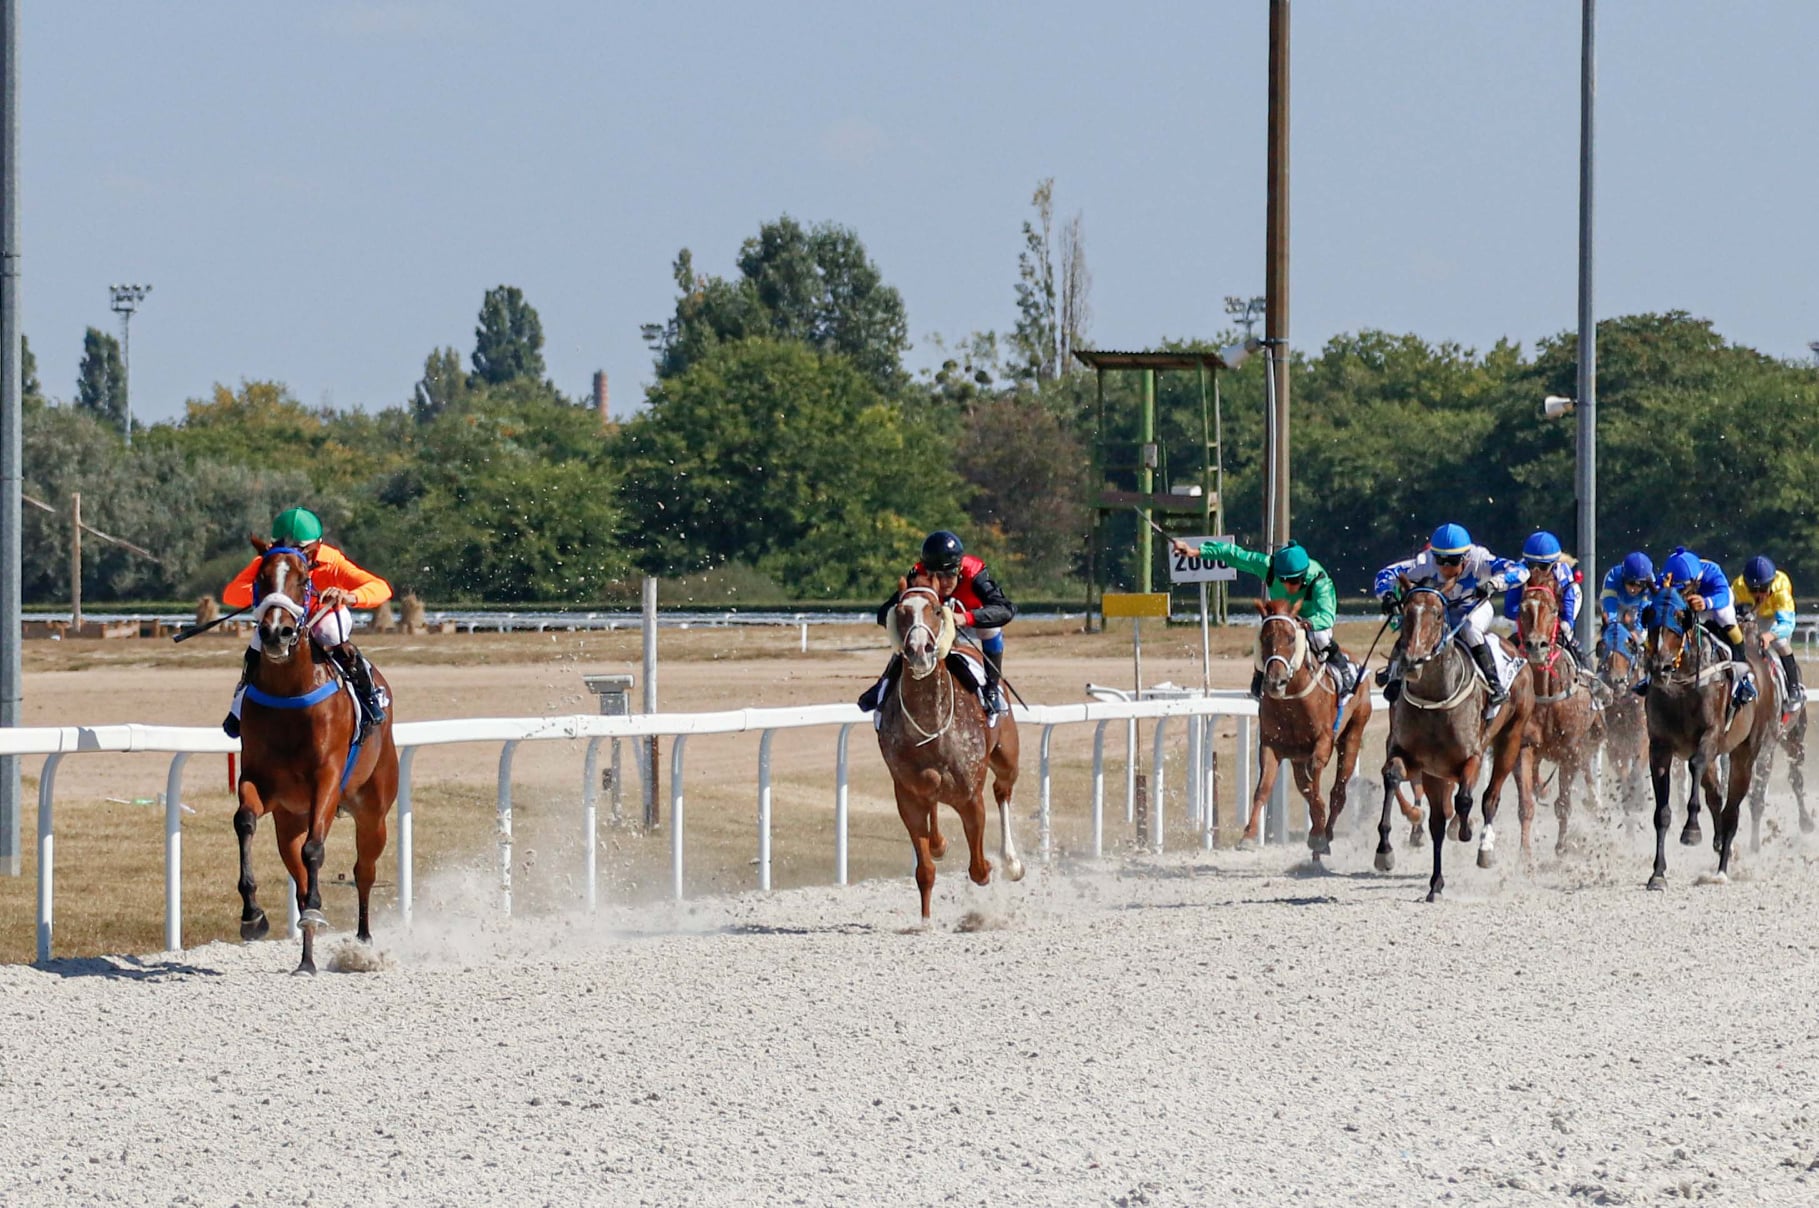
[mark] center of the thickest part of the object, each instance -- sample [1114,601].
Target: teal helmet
[296,526]
[1289,562]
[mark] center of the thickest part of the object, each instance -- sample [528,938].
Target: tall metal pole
[126,299]
[1587,409]
[75,564]
[11,431]
[1275,287]
[649,602]
[1146,481]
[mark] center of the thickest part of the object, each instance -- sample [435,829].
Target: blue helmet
[1541,546]
[1758,573]
[1682,565]
[1450,539]
[1637,568]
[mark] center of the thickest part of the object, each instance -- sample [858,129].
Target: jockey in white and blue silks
[1707,591]
[1541,557]
[1465,575]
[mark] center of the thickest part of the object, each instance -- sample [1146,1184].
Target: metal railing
[1199,714]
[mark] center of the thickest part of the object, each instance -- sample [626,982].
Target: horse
[1625,727]
[1298,720]
[299,759]
[1789,733]
[1438,729]
[938,741]
[1690,717]
[1564,728]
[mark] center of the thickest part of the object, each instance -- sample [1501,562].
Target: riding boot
[873,696]
[994,681]
[1795,688]
[1256,688]
[230,725]
[1342,668]
[360,675]
[1743,690]
[1481,654]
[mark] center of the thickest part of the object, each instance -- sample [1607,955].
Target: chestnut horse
[1690,717]
[1437,729]
[938,741]
[1564,729]
[1625,728]
[1298,721]
[1789,734]
[298,760]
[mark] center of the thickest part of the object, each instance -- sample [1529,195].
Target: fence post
[505,827]
[1156,812]
[590,822]
[1246,771]
[1046,826]
[47,858]
[1099,788]
[764,810]
[173,853]
[406,837]
[840,815]
[675,813]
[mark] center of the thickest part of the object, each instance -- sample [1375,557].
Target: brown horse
[1789,734]
[1564,729]
[1690,717]
[1298,721]
[1438,729]
[298,760]
[938,740]
[1625,727]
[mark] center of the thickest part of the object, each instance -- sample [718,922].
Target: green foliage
[101,379]
[443,382]
[1028,470]
[809,285]
[508,343]
[771,455]
[1053,285]
[31,390]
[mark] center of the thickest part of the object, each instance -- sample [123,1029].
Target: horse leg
[322,813]
[1796,755]
[253,923]
[1563,799]
[1436,829]
[1742,765]
[1462,799]
[293,831]
[972,819]
[1319,826]
[369,842]
[1342,775]
[1412,807]
[918,820]
[1268,764]
[1695,772]
[937,842]
[1393,775]
[1660,774]
[1004,782]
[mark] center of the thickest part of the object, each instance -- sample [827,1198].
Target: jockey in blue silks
[1628,586]
[1542,558]
[1465,575]
[1706,590]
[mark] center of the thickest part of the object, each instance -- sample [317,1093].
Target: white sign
[1195,569]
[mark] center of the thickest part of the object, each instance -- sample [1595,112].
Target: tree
[809,285]
[1029,474]
[101,379]
[768,454]
[508,343]
[443,382]
[1053,291]
[31,391]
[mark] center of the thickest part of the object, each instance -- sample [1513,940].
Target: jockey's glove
[1389,603]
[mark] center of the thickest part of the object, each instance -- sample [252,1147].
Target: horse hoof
[1465,833]
[1319,844]
[981,876]
[1657,882]
[307,968]
[1014,870]
[312,918]
[1386,860]
[255,928]
[1485,859]
[1806,826]
[1417,838]
[1248,844]
[1689,836]
[1433,895]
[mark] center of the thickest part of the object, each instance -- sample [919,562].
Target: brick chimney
[602,407]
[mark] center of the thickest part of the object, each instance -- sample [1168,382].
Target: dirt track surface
[1188,1030]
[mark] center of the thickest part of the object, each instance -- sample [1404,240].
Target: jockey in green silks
[1288,574]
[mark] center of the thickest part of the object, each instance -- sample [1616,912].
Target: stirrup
[230,726]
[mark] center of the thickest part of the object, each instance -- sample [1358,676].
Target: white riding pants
[1477,620]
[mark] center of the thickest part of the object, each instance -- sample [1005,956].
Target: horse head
[1670,631]
[282,597]
[1619,665]
[1281,643]
[1424,629]
[922,629]
[1537,622]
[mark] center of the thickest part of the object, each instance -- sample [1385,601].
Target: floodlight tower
[126,300]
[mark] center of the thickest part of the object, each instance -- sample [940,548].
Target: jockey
[1771,593]
[340,584]
[1542,558]
[959,577]
[1288,574]
[1702,584]
[1465,575]
[1628,587]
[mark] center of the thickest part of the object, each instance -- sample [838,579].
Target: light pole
[126,301]
[1586,478]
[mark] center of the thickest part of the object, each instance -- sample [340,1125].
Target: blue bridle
[309,584]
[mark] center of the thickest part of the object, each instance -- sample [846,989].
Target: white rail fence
[1201,795]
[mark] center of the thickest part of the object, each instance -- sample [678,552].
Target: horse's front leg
[1462,800]
[1436,828]
[1695,775]
[1660,772]
[1394,774]
[1269,762]
[1796,755]
[1743,762]
[321,814]
[918,818]
[253,923]
[1319,826]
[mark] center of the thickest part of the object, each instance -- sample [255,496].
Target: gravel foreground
[1185,1029]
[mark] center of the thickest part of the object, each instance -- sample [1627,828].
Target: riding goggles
[1449,559]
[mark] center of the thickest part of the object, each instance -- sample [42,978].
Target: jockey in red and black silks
[985,610]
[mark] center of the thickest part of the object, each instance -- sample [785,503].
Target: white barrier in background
[182,742]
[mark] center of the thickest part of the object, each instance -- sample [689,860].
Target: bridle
[1291,663]
[265,601]
[944,710]
[1446,639]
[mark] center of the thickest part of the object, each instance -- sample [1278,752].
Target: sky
[320,194]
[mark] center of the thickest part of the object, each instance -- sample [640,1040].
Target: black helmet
[941,552]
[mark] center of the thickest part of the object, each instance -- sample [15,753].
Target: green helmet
[296,526]
[1289,562]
